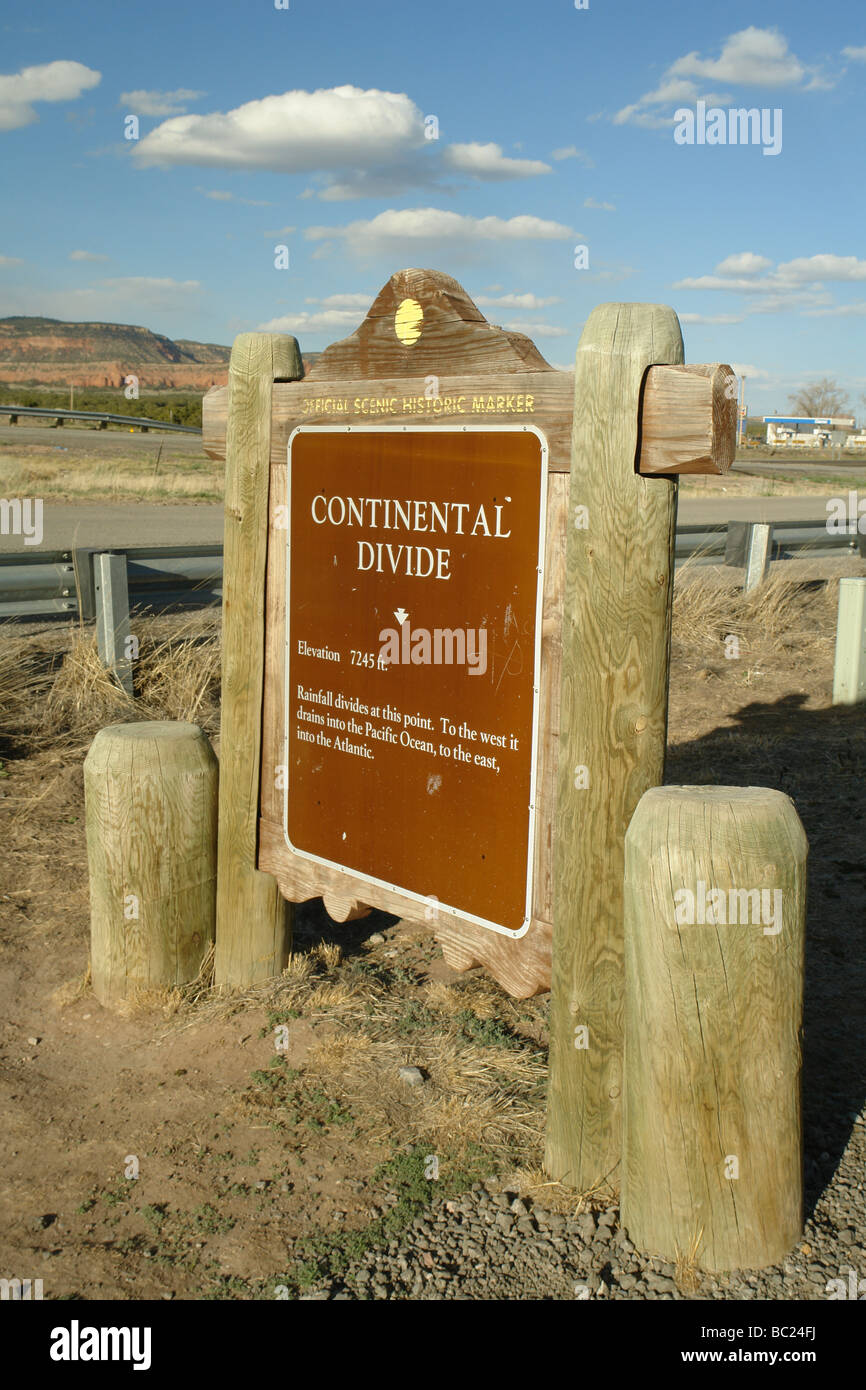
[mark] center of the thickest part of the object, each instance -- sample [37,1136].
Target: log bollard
[715,892]
[151,814]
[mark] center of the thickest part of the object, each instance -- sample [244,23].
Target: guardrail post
[715,907]
[112,616]
[758,543]
[849,672]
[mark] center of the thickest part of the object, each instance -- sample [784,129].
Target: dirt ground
[173,1152]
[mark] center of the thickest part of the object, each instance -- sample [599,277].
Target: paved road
[109,441]
[148,523]
[124,523]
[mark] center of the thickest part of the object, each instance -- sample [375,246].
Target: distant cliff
[49,352]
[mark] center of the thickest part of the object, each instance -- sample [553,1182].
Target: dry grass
[687,1273]
[70,471]
[534,1182]
[59,699]
[775,619]
[475,1094]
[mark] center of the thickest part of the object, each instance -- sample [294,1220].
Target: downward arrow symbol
[401,615]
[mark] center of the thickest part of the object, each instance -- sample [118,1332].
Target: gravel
[493,1243]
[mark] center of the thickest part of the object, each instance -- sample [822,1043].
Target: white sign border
[513,934]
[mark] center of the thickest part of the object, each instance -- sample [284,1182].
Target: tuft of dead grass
[778,617]
[687,1272]
[71,990]
[58,695]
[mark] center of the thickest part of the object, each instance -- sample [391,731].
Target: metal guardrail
[62,582]
[728,543]
[102,417]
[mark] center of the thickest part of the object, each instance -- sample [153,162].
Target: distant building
[809,431]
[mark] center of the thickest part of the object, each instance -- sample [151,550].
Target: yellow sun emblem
[407,321]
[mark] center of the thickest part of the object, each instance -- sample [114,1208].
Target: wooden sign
[413,661]
[428,395]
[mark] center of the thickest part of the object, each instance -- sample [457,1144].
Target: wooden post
[151,816]
[688,419]
[715,903]
[254,923]
[849,673]
[613,723]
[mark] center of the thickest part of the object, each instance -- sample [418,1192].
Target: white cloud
[488,162]
[144,103]
[751,57]
[219,195]
[124,299]
[743,263]
[538,330]
[856,310]
[711,318]
[87,256]
[294,132]
[572,152]
[148,284]
[515,301]
[743,271]
[599,207]
[58,81]
[748,369]
[304,322]
[857,55]
[11,260]
[280,231]
[808,269]
[344,301]
[435,224]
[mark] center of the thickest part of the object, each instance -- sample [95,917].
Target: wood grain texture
[344,909]
[688,420]
[151,816]
[452,334]
[543,399]
[712,1135]
[253,924]
[613,718]
[688,414]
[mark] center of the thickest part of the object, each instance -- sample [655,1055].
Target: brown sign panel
[413,645]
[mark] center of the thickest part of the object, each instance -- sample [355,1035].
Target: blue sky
[306,127]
